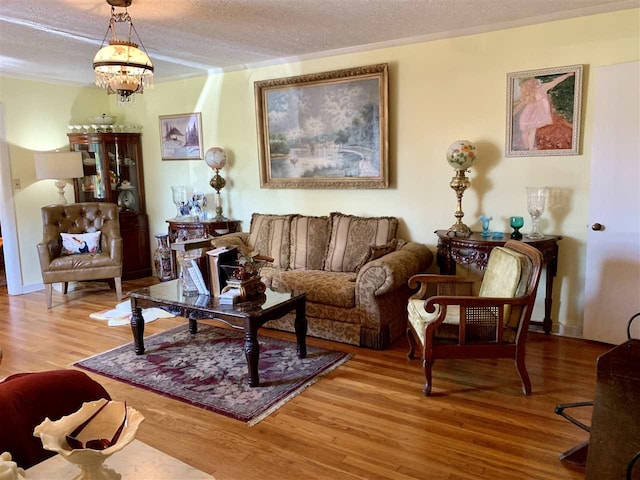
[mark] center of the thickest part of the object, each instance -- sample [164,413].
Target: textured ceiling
[55,40]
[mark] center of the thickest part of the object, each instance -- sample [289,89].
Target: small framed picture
[181,136]
[543,112]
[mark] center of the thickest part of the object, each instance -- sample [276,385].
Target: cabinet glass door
[123,160]
[92,185]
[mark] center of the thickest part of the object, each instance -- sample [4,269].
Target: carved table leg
[193,325]
[252,353]
[300,326]
[137,327]
[552,268]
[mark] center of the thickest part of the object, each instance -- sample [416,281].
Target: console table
[474,251]
[182,229]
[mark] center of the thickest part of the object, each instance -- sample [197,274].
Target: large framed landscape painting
[324,130]
[543,112]
[181,136]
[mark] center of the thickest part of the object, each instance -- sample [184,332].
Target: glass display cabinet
[112,164]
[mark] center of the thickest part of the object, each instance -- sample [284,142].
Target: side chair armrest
[115,247]
[436,278]
[471,301]
[457,284]
[44,254]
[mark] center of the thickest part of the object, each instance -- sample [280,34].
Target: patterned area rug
[209,370]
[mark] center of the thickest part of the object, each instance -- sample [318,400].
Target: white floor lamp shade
[58,166]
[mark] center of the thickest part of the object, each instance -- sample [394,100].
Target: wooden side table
[190,229]
[474,251]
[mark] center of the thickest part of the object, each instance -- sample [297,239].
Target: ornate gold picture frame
[324,130]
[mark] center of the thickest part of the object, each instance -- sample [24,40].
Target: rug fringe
[297,392]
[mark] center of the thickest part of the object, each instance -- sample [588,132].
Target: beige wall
[440,91]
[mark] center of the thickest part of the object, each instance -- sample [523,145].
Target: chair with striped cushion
[448,321]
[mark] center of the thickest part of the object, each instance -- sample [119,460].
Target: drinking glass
[516,223]
[536,197]
[180,200]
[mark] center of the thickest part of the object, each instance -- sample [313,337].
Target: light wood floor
[366,420]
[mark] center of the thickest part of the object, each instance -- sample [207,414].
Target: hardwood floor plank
[368,419]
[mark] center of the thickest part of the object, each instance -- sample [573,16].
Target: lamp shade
[57,165]
[216,158]
[461,154]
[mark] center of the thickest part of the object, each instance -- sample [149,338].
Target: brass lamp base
[459,183]
[459,229]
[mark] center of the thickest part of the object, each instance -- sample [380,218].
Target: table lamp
[460,155]
[58,166]
[216,158]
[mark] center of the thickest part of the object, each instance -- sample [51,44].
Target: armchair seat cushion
[419,318]
[81,261]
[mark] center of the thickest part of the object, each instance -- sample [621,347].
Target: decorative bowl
[110,417]
[103,119]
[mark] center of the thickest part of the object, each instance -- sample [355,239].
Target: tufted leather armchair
[80,218]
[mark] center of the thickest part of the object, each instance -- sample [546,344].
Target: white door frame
[8,216]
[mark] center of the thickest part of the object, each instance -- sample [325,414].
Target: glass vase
[536,197]
[162,258]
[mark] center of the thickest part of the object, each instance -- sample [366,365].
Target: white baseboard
[33,287]
[574,331]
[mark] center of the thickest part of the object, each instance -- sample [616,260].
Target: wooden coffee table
[248,316]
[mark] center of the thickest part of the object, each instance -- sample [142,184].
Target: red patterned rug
[209,370]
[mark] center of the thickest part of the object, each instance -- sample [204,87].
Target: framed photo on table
[324,130]
[181,136]
[543,112]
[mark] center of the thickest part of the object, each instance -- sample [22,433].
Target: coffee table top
[170,293]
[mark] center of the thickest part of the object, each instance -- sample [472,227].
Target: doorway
[10,248]
[612,277]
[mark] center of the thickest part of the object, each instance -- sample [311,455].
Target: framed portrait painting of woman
[543,112]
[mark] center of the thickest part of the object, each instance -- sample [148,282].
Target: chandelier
[121,67]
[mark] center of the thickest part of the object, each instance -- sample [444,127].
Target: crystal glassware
[516,223]
[180,200]
[536,197]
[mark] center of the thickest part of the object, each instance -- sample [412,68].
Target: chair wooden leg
[427,364]
[65,287]
[48,292]
[412,344]
[522,371]
[118,282]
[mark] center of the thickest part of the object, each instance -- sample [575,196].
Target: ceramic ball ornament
[216,158]
[461,154]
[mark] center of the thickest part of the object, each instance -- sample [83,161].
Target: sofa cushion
[328,288]
[352,237]
[309,239]
[270,235]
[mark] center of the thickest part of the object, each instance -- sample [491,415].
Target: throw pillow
[270,236]
[379,251]
[309,239]
[74,243]
[351,238]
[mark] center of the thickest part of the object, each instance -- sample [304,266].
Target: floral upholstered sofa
[353,269]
